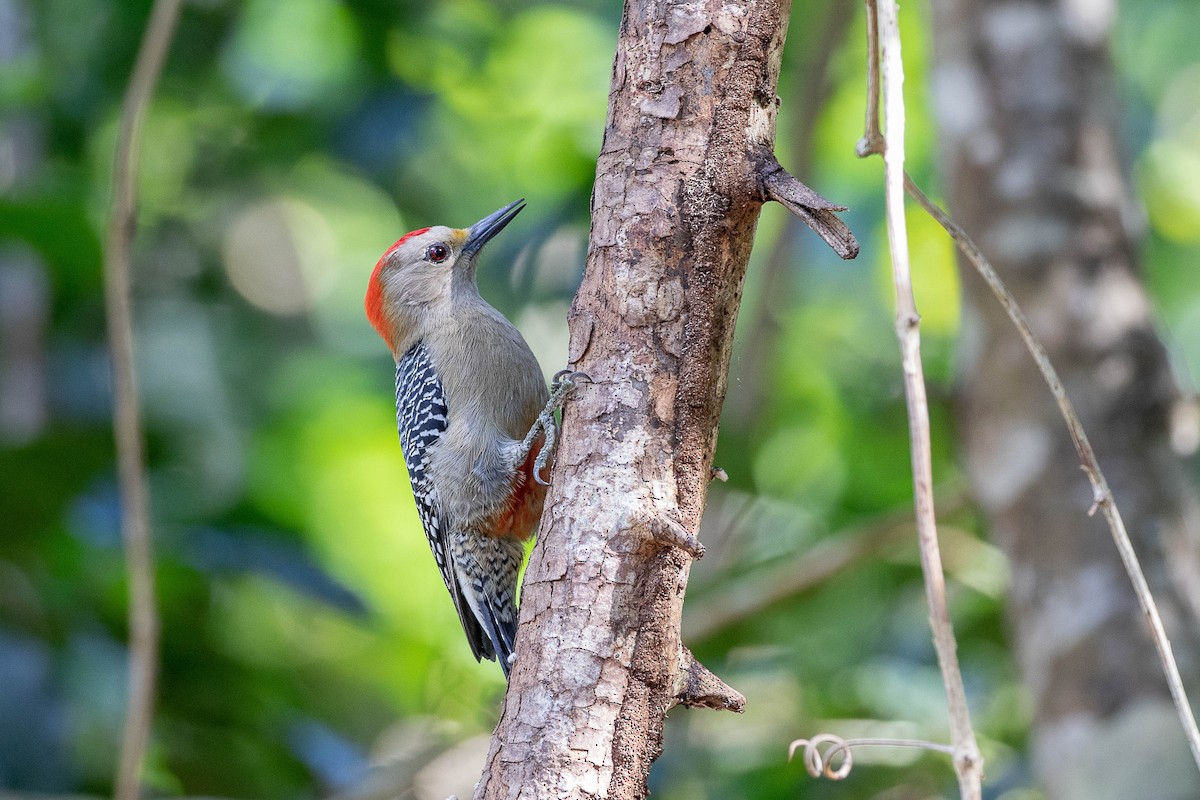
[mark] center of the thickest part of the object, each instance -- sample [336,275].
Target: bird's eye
[437,253]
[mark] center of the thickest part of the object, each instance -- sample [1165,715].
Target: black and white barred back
[479,571]
[422,418]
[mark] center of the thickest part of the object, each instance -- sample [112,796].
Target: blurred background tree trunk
[1025,101]
[24,286]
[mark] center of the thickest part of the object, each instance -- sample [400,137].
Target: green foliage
[306,631]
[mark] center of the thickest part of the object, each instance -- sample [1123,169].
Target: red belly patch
[524,508]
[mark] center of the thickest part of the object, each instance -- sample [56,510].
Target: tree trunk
[685,166]
[1025,101]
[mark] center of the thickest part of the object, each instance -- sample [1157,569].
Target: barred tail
[486,568]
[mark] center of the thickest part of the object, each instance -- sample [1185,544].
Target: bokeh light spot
[280,255]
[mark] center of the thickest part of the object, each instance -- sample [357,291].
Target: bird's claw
[539,463]
[561,385]
[566,379]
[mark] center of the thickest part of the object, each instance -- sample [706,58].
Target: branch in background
[871,144]
[1102,495]
[748,596]
[968,763]
[135,525]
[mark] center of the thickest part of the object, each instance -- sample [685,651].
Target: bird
[475,417]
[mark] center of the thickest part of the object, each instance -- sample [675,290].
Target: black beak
[483,231]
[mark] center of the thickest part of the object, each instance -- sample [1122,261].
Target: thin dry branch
[968,763]
[871,144]
[1102,495]
[135,526]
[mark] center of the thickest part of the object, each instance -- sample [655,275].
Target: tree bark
[1024,95]
[685,166]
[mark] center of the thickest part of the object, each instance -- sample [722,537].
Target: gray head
[425,271]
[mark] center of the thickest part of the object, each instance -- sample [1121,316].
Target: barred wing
[422,417]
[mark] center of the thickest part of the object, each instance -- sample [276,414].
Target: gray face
[419,271]
[425,272]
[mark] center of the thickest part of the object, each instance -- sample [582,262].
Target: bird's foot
[563,384]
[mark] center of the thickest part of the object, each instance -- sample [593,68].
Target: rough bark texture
[677,196]
[1024,95]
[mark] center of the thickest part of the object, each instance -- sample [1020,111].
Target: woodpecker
[476,420]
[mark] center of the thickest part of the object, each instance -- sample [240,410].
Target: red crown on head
[374,300]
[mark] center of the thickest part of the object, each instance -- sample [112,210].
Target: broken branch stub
[811,208]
